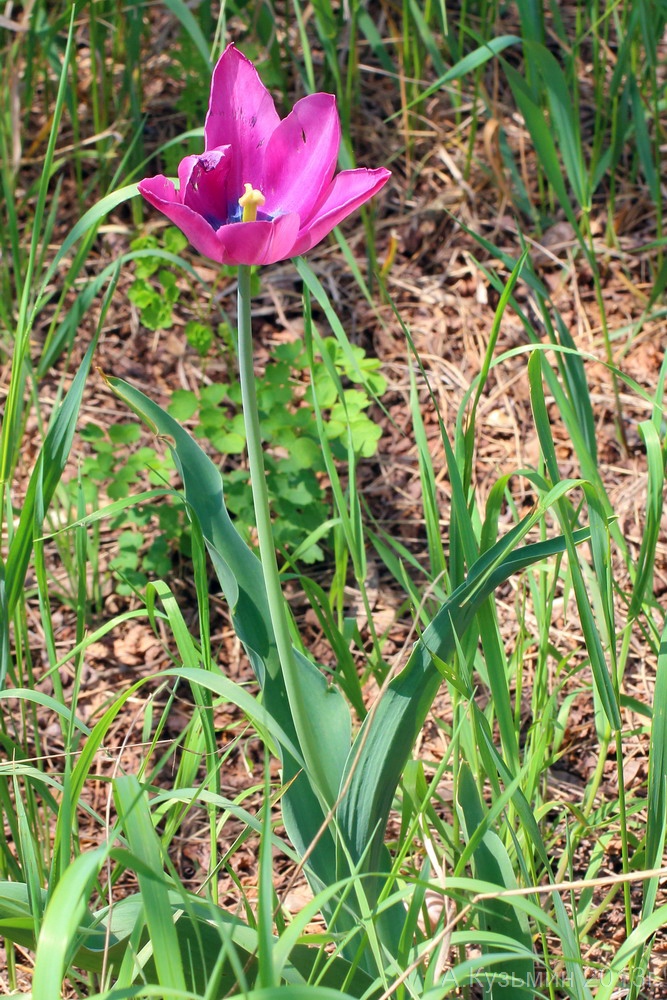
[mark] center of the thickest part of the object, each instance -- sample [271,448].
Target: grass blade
[135,818]
[240,575]
[491,863]
[64,914]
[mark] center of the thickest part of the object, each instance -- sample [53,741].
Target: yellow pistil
[250,202]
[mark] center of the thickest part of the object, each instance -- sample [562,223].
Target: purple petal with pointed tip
[242,114]
[291,162]
[301,156]
[349,190]
[161,193]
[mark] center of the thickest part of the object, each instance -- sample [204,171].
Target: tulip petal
[349,190]
[185,168]
[291,163]
[242,114]
[301,156]
[204,185]
[162,194]
[258,242]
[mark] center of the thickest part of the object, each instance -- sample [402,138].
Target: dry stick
[506,893]
[582,883]
[441,936]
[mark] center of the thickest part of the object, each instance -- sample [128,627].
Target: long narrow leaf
[594,646]
[46,476]
[492,864]
[64,914]
[240,575]
[385,741]
[656,820]
[134,816]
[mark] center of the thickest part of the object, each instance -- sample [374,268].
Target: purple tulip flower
[263,189]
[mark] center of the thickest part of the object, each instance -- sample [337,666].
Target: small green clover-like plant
[199,336]
[136,561]
[116,467]
[294,460]
[155,288]
[347,411]
[343,382]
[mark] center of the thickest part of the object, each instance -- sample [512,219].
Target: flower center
[250,202]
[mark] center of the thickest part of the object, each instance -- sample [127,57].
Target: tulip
[263,189]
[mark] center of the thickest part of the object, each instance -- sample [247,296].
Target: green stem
[303,724]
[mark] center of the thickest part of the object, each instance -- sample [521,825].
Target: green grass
[438,864]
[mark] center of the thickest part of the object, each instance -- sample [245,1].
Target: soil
[438,286]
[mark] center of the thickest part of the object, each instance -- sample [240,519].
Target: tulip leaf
[240,574]
[103,939]
[368,773]
[384,743]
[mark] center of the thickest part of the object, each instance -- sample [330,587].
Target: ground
[438,285]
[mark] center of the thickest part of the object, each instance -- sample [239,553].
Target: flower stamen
[250,202]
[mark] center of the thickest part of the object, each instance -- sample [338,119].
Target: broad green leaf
[385,741]
[294,991]
[204,932]
[240,575]
[16,913]
[531,13]
[66,910]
